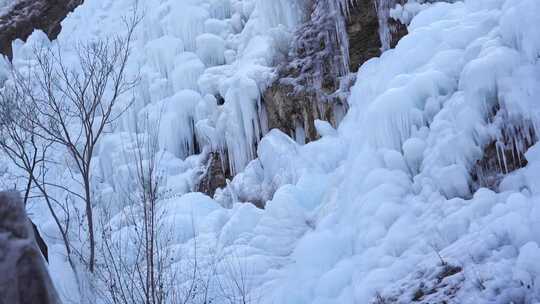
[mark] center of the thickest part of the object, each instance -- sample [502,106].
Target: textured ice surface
[369,208]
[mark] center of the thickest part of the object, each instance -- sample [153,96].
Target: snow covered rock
[25,278]
[25,16]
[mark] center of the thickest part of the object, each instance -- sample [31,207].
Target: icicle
[241,128]
[220,9]
[383,12]
[186,22]
[340,11]
[176,121]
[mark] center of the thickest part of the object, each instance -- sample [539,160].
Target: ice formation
[189,52]
[382,208]
[383,11]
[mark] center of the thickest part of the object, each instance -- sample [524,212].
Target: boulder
[25,278]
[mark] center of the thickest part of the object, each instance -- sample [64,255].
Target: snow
[415,129]
[211,49]
[383,204]
[405,12]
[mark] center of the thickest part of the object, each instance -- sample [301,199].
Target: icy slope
[202,63]
[378,201]
[382,210]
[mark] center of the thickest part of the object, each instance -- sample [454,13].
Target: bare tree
[29,153]
[235,282]
[73,105]
[141,266]
[17,138]
[135,268]
[149,183]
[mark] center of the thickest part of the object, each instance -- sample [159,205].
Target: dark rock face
[28,15]
[314,81]
[310,83]
[397,31]
[214,175]
[363,30]
[24,279]
[289,111]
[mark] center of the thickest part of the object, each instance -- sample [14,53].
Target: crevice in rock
[219,99]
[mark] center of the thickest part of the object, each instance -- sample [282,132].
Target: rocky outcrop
[29,15]
[24,277]
[314,81]
[294,113]
[363,32]
[506,152]
[309,83]
[214,174]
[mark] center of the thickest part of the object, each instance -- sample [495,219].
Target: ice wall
[375,209]
[202,64]
[385,206]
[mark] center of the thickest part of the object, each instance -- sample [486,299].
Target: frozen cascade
[397,172]
[202,66]
[380,209]
[197,49]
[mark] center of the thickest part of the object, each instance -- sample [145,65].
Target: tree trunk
[90,220]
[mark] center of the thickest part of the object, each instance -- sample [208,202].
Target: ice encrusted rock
[25,278]
[314,81]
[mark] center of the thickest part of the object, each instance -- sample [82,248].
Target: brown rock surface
[312,83]
[214,175]
[29,15]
